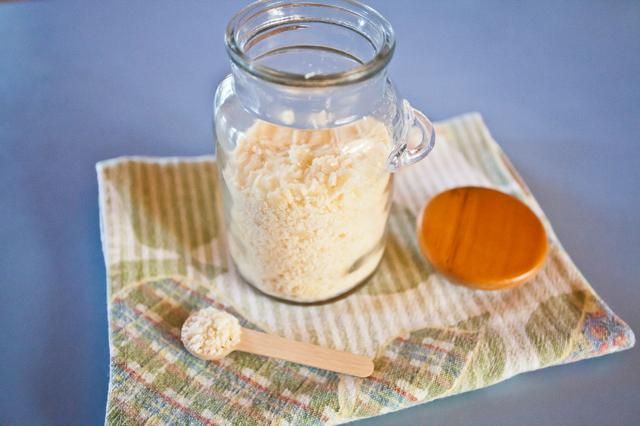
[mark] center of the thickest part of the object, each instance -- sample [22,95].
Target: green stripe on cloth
[166,257]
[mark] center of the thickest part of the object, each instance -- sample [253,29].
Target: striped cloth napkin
[430,338]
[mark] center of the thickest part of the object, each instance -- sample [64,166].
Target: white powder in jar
[308,208]
[210,333]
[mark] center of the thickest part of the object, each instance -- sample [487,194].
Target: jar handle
[403,154]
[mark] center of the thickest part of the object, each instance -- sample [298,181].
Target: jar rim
[237,51]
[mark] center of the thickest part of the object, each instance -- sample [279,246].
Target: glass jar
[309,130]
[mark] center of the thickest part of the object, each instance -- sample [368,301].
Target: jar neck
[309,107]
[309,64]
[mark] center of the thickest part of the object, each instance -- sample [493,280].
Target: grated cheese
[210,333]
[308,208]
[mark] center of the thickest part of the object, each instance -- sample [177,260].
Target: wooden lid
[482,238]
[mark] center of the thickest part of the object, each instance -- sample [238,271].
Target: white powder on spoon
[210,333]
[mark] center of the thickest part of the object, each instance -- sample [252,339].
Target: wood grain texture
[482,238]
[273,346]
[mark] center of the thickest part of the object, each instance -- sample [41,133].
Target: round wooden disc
[482,238]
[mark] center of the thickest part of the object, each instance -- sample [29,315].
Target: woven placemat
[430,339]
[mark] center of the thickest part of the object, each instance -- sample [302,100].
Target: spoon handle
[304,353]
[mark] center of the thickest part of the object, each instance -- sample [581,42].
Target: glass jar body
[305,208]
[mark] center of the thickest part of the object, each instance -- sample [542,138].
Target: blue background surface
[557,82]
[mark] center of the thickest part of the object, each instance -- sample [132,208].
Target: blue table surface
[557,82]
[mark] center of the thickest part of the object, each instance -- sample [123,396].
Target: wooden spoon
[235,338]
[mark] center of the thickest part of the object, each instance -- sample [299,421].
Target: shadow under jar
[309,130]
